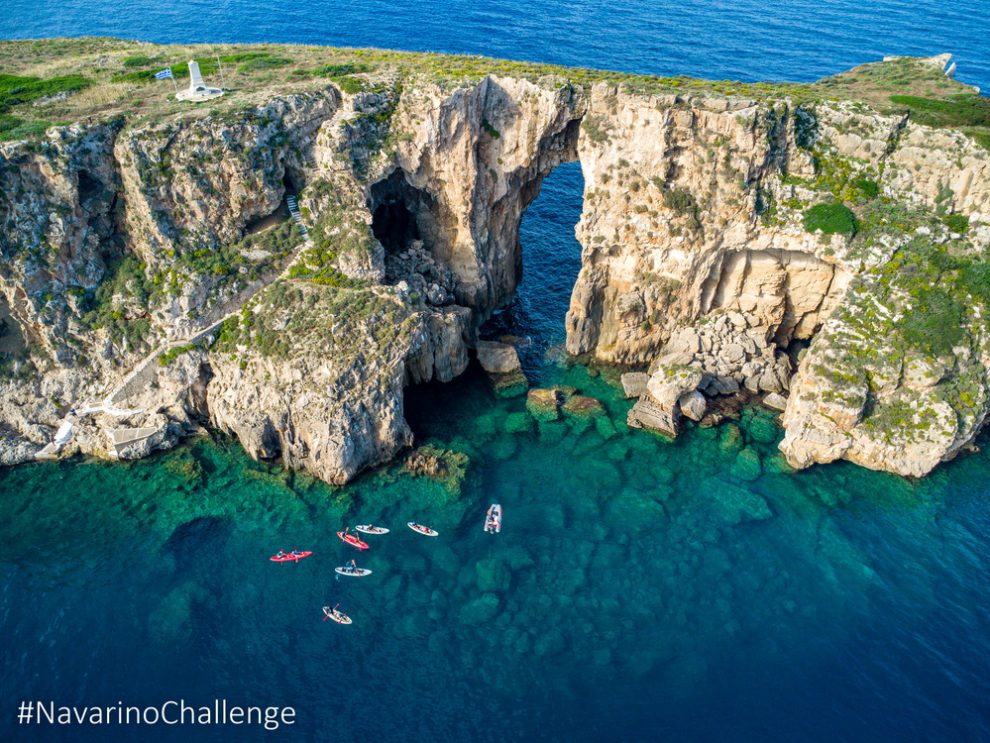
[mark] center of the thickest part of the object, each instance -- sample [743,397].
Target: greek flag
[164,74]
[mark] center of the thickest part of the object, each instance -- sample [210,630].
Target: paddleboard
[338,616]
[353,572]
[352,540]
[424,530]
[369,529]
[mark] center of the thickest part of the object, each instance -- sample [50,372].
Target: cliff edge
[282,262]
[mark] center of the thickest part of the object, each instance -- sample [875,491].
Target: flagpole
[223,83]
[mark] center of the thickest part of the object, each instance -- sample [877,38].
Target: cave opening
[12,342]
[400,213]
[292,183]
[394,226]
[89,188]
[550,260]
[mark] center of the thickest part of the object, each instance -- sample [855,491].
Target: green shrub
[15,90]
[935,322]
[957,223]
[13,128]
[959,110]
[832,219]
[595,128]
[170,355]
[337,70]
[139,60]
[264,63]
[350,85]
[490,130]
[869,188]
[679,200]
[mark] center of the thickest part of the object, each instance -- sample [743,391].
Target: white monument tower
[197,90]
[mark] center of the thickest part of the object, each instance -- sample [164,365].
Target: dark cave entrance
[89,188]
[292,184]
[394,226]
[400,214]
[12,341]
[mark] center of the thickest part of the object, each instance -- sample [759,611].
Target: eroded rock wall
[698,263]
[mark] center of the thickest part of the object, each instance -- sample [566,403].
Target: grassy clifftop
[58,81]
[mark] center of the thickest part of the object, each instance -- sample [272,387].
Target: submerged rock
[492,575]
[482,609]
[443,465]
[543,404]
[510,385]
[580,406]
[736,504]
[747,465]
[518,423]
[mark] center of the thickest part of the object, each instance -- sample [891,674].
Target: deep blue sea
[640,590]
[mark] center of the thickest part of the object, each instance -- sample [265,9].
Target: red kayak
[293,556]
[352,540]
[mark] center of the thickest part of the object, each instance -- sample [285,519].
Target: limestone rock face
[331,414]
[861,395]
[198,183]
[154,279]
[665,184]
[473,163]
[60,216]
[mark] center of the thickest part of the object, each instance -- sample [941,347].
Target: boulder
[543,404]
[648,413]
[634,383]
[580,406]
[775,401]
[668,384]
[723,386]
[498,358]
[446,466]
[693,405]
[659,409]
[510,385]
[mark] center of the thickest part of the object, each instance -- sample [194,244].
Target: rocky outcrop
[472,163]
[728,240]
[331,414]
[660,409]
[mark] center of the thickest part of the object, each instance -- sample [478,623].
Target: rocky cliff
[771,239]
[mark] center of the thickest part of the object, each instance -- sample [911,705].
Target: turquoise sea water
[640,589]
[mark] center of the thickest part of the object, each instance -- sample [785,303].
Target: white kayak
[353,572]
[424,530]
[369,529]
[338,616]
[493,519]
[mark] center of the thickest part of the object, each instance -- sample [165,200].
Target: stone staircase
[293,205]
